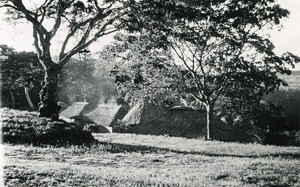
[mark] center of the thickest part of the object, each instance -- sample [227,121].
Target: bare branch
[46,4]
[57,19]
[43,14]
[196,96]
[42,9]
[97,6]
[36,42]
[71,34]
[29,16]
[78,48]
[200,84]
[9,6]
[83,43]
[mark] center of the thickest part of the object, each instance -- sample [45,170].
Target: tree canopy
[221,47]
[139,67]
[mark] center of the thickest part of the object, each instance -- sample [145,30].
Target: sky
[19,36]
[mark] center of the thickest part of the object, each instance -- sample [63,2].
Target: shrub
[289,100]
[297,138]
[120,127]
[23,127]
[95,128]
[263,122]
[291,137]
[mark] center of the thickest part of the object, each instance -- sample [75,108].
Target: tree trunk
[209,119]
[28,98]
[12,98]
[47,105]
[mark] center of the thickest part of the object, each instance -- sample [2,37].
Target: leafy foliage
[22,127]
[139,67]
[289,100]
[266,123]
[18,70]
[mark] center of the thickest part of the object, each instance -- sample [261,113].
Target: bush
[264,122]
[297,138]
[95,128]
[120,127]
[289,100]
[23,127]
[291,137]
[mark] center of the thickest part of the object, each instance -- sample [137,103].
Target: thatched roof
[73,111]
[183,122]
[107,114]
[142,113]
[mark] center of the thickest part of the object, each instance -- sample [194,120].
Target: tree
[228,56]
[77,80]
[82,21]
[222,48]
[139,67]
[19,70]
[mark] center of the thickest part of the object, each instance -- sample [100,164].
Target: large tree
[221,47]
[78,23]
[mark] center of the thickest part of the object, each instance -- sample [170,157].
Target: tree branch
[83,43]
[28,15]
[57,19]
[9,6]
[68,37]
[42,9]
[36,42]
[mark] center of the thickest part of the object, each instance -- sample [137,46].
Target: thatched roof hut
[142,113]
[107,114]
[104,115]
[73,112]
[182,122]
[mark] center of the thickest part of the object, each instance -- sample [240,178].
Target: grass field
[143,160]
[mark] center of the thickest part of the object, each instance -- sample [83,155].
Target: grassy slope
[141,160]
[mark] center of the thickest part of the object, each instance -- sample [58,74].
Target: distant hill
[293,80]
[295,73]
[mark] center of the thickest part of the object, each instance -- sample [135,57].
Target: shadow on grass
[120,148]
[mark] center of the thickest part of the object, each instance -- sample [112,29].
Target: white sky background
[19,36]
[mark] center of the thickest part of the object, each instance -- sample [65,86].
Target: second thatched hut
[142,113]
[183,122]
